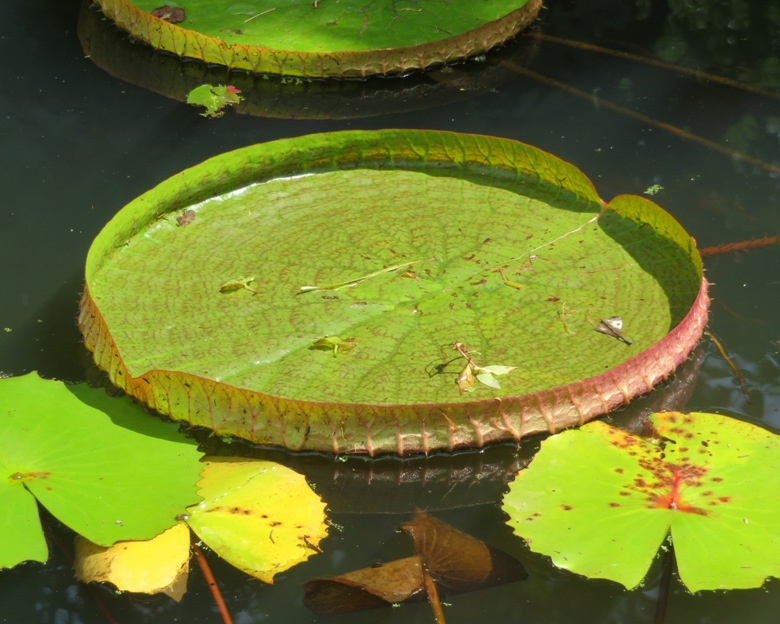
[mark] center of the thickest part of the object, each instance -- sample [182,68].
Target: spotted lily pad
[403,244]
[260,516]
[100,465]
[325,38]
[601,501]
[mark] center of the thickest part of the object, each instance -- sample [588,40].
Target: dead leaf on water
[456,561]
[391,583]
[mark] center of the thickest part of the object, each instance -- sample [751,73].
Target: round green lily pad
[324,38]
[98,464]
[389,291]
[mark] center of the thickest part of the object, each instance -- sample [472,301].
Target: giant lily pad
[601,501]
[308,293]
[100,465]
[324,38]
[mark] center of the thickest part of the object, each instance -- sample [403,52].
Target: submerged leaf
[710,480]
[261,517]
[458,561]
[391,583]
[453,559]
[156,566]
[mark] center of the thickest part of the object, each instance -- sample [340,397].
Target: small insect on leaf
[335,344]
[185,218]
[613,326]
[241,283]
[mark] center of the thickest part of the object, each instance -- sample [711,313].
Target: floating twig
[734,369]
[740,246]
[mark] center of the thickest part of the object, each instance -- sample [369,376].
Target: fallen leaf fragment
[173,15]
[391,583]
[613,326]
[458,561]
[454,560]
[335,344]
[156,566]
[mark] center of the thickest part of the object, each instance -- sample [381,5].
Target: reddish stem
[212,583]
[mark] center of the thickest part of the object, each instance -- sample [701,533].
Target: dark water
[79,143]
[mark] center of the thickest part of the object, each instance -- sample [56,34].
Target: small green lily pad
[99,464]
[601,501]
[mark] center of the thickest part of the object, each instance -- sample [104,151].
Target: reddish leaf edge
[362,428]
[163,35]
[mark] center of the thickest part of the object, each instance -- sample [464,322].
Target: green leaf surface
[214,98]
[401,242]
[601,501]
[260,516]
[329,37]
[100,465]
[20,527]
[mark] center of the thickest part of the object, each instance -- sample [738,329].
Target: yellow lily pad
[261,517]
[156,566]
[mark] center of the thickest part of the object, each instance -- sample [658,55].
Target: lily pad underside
[327,38]
[308,292]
